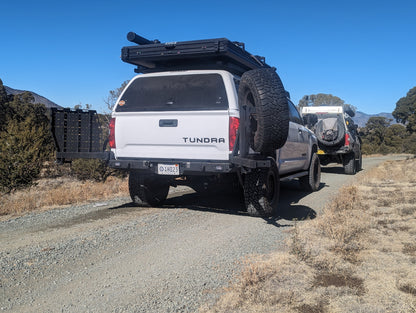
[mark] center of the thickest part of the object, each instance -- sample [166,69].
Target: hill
[361,118]
[38,98]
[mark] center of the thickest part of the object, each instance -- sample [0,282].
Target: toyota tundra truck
[204,114]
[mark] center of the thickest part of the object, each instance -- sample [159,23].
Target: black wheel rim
[271,187]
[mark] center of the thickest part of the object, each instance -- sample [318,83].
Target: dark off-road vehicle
[337,136]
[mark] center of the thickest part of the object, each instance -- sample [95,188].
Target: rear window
[175,93]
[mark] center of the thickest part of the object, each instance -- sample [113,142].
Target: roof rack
[220,53]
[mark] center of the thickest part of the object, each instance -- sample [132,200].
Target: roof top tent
[328,109]
[221,53]
[322,109]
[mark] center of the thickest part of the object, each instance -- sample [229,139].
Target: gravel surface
[113,257]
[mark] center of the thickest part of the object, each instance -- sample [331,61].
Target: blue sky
[69,51]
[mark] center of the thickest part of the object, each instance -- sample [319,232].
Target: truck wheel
[350,164]
[261,191]
[146,190]
[359,164]
[262,94]
[312,181]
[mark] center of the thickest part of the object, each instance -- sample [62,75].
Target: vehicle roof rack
[220,53]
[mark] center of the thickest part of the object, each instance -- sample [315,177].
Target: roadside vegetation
[50,193]
[359,255]
[25,141]
[30,180]
[27,150]
[380,136]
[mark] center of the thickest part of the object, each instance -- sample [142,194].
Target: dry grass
[358,256]
[57,192]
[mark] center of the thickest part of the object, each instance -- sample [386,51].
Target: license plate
[321,151]
[168,169]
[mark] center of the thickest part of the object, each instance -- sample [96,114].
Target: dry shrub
[273,284]
[408,288]
[340,280]
[344,221]
[387,261]
[61,191]
[409,248]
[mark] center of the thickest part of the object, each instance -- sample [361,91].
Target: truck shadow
[233,203]
[227,203]
[333,169]
[289,209]
[336,170]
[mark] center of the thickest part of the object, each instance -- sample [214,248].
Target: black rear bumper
[186,167]
[191,167]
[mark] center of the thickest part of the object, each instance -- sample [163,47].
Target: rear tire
[312,181]
[261,191]
[359,164]
[147,190]
[350,164]
[262,94]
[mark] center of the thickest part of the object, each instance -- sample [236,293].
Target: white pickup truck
[214,121]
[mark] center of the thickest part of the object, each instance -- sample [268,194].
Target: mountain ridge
[361,118]
[37,98]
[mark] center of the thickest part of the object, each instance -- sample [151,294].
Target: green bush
[380,137]
[93,169]
[25,141]
[410,144]
[368,148]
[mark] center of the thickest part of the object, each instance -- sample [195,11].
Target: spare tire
[331,136]
[262,95]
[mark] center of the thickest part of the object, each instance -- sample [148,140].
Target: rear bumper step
[185,167]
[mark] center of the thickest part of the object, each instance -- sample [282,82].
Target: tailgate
[182,115]
[191,135]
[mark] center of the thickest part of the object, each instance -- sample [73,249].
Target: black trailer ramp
[77,134]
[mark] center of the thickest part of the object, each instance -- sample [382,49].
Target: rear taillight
[234,123]
[347,140]
[112,134]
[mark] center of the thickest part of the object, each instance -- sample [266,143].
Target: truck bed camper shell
[220,53]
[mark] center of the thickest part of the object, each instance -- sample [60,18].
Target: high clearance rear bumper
[189,167]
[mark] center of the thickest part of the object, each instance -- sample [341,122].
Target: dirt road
[113,257]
